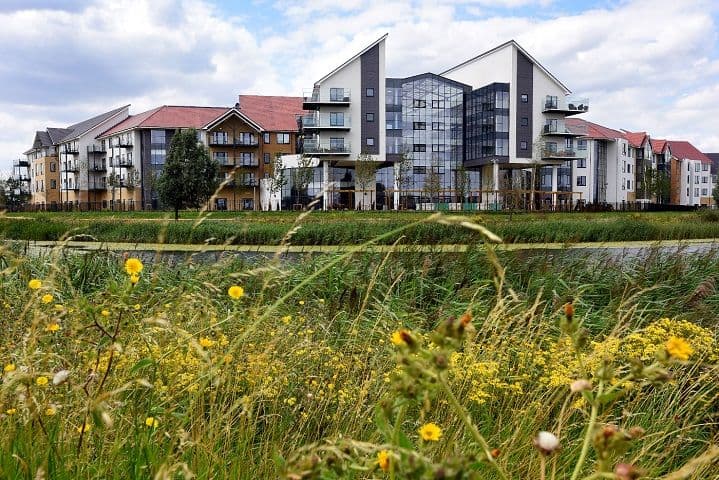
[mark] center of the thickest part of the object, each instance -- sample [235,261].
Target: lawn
[359,366]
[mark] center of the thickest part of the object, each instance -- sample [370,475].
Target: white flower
[60,377]
[546,442]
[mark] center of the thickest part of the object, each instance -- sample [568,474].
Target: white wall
[543,86]
[349,77]
[497,66]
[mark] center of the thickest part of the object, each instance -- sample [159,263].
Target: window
[629,168]
[419,126]
[437,125]
[283,138]
[624,148]
[337,119]
[157,137]
[369,117]
[419,170]
[370,92]
[337,94]
[370,141]
[525,98]
[696,192]
[393,96]
[247,159]
[248,204]
[266,158]
[246,138]
[221,157]
[581,163]
[394,120]
[501,147]
[501,123]
[157,157]
[501,100]
[524,122]
[419,103]
[337,144]
[705,167]
[582,181]
[53,184]
[624,166]
[581,144]
[438,147]
[419,147]
[705,192]
[629,184]
[437,103]
[266,137]
[53,166]
[697,167]
[522,145]
[569,144]
[705,179]
[219,138]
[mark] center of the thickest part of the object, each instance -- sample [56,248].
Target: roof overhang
[237,113]
[355,57]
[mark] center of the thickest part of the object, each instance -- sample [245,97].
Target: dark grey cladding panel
[370,79]
[146,172]
[525,85]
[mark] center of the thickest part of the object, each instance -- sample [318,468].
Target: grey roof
[79,128]
[56,134]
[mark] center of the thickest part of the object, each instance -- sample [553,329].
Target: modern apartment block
[691,180]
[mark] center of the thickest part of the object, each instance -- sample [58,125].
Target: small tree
[433,183]
[403,172]
[190,176]
[15,195]
[365,174]
[302,175]
[461,183]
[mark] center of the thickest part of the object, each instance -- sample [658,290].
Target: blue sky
[645,64]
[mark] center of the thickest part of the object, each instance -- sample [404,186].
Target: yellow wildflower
[105,313]
[151,422]
[137,306]
[301,302]
[236,292]
[383,460]
[50,411]
[11,411]
[399,337]
[53,327]
[430,432]
[10,367]
[134,278]
[286,319]
[47,298]
[59,307]
[133,266]
[41,381]
[34,284]
[206,342]
[85,427]
[679,348]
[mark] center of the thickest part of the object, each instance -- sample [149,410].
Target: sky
[646,65]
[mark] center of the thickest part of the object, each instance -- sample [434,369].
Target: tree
[189,176]
[461,183]
[403,172]
[365,174]
[302,175]
[433,183]
[715,192]
[15,195]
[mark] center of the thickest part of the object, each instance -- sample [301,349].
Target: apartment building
[246,140]
[135,152]
[690,177]
[43,171]
[640,147]
[21,172]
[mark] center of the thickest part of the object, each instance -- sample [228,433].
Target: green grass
[347,228]
[254,403]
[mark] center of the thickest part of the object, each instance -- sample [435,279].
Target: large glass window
[157,137]
[394,120]
[283,138]
[337,119]
[337,94]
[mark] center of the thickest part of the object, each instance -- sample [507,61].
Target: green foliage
[189,176]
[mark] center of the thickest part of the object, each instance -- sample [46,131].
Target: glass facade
[487,129]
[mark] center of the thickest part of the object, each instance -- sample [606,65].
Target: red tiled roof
[636,139]
[272,113]
[592,130]
[168,116]
[684,149]
[658,146]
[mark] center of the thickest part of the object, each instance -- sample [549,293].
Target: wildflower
[679,348]
[34,284]
[569,310]
[301,302]
[47,298]
[546,442]
[383,460]
[580,386]
[626,471]
[322,300]
[11,411]
[41,381]
[60,377]
[236,292]
[286,319]
[430,432]
[85,427]
[137,306]
[151,422]
[50,411]
[133,266]
[10,367]
[206,342]
[105,313]
[59,307]
[53,327]
[401,337]
[134,278]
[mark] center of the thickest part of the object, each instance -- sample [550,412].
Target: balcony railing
[246,162]
[70,167]
[325,121]
[326,148]
[558,128]
[97,167]
[97,186]
[241,182]
[122,143]
[21,163]
[224,161]
[92,149]
[564,153]
[570,105]
[124,162]
[70,149]
[234,142]
[326,95]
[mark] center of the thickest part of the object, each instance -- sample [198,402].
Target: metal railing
[569,103]
[325,121]
[326,147]
[326,95]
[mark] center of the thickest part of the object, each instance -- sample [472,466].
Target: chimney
[237,105]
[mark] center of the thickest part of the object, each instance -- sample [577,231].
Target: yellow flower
[105,313]
[50,411]
[137,306]
[206,342]
[235,291]
[286,319]
[85,427]
[53,327]
[151,422]
[679,348]
[399,337]
[34,284]
[11,411]
[47,298]
[383,460]
[302,302]
[41,381]
[134,278]
[133,266]
[430,432]
[59,307]
[10,367]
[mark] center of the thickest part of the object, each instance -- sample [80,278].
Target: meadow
[478,364]
[348,228]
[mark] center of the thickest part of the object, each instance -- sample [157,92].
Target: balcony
[251,141]
[325,122]
[246,162]
[121,143]
[70,167]
[70,149]
[124,162]
[95,186]
[23,177]
[21,163]
[97,167]
[554,154]
[223,161]
[559,129]
[328,96]
[570,105]
[95,149]
[326,148]
[241,182]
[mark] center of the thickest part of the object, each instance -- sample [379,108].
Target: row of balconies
[332,147]
[329,121]
[238,161]
[228,141]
